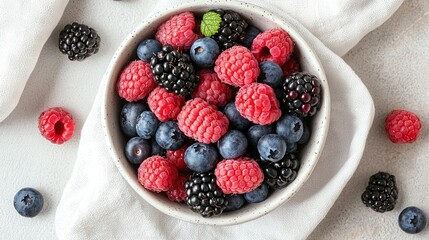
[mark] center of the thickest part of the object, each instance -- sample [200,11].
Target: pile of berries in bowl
[215,113]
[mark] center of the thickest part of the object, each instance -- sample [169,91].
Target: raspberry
[257,102]
[238,176]
[157,174]
[201,121]
[177,192]
[135,81]
[237,66]
[274,45]
[211,89]
[178,31]
[177,157]
[290,67]
[165,105]
[56,125]
[402,126]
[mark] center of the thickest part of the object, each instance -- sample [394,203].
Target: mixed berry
[210,117]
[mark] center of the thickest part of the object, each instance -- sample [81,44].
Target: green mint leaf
[210,23]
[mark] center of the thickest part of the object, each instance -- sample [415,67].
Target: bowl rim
[286,22]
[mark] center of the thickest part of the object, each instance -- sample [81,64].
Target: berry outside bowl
[111,107]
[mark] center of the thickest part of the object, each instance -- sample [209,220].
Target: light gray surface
[392,61]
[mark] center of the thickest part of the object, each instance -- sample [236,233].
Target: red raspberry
[201,121]
[274,45]
[177,192]
[177,157]
[258,103]
[238,176]
[402,126]
[165,105]
[136,81]
[178,31]
[56,125]
[211,89]
[290,67]
[157,174]
[237,66]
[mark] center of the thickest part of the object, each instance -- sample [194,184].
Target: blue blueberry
[128,119]
[257,195]
[236,121]
[251,33]
[147,124]
[204,52]
[147,49]
[137,149]
[169,136]
[232,145]
[201,157]
[271,73]
[255,132]
[290,128]
[272,147]
[235,202]
[156,149]
[291,147]
[412,220]
[305,135]
[28,202]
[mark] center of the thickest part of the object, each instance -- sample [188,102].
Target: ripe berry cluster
[216,120]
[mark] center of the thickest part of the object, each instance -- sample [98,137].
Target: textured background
[392,61]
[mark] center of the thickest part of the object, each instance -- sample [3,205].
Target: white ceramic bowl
[111,106]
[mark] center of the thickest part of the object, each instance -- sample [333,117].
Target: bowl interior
[112,104]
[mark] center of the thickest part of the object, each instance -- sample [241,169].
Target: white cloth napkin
[25,26]
[98,204]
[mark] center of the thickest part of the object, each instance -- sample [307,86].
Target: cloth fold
[25,26]
[97,203]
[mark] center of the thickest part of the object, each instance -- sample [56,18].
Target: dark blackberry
[232,28]
[381,193]
[204,196]
[78,41]
[301,94]
[173,70]
[280,174]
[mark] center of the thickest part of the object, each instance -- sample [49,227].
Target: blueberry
[255,132]
[290,128]
[137,149]
[412,220]
[257,195]
[156,149]
[28,202]
[272,147]
[128,119]
[251,33]
[147,49]
[291,147]
[201,157]
[305,135]
[271,73]
[233,144]
[236,121]
[204,52]
[147,124]
[169,136]
[235,202]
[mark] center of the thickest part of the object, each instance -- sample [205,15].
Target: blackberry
[280,174]
[78,41]
[301,94]
[173,70]
[381,193]
[204,196]
[232,28]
